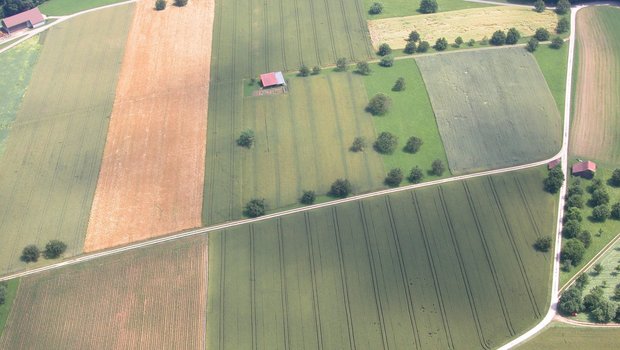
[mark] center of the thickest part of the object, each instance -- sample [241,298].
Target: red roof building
[27,19]
[552,164]
[584,168]
[272,79]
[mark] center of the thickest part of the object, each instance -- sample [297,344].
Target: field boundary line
[283,284]
[363,24]
[526,204]
[331,30]
[297,29]
[282,41]
[316,39]
[253,288]
[338,118]
[315,294]
[222,288]
[347,29]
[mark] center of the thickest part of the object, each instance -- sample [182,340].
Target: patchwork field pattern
[153,298]
[596,124]
[468,24]
[53,154]
[450,266]
[510,118]
[399,8]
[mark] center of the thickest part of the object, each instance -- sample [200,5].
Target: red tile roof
[33,16]
[271,79]
[584,166]
[552,164]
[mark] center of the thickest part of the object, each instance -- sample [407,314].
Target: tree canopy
[413,144]
[498,38]
[394,177]
[386,143]
[384,49]
[428,6]
[30,253]
[562,7]
[54,249]
[376,8]
[341,188]
[379,104]
[438,167]
[416,175]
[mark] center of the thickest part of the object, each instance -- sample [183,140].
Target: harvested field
[153,298]
[468,24]
[510,118]
[443,267]
[50,166]
[152,175]
[558,336]
[595,131]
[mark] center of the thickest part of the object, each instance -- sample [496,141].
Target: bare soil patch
[152,175]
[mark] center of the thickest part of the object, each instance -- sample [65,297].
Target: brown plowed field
[151,180]
[596,124]
[153,298]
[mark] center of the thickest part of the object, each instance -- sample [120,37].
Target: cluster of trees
[543,34]
[414,44]
[510,37]
[53,249]
[599,308]
[161,4]
[3,292]
[554,180]
[12,7]
[305,71]
[577,240]
[395,176]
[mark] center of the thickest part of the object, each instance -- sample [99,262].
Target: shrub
[575,201]
[30,253]
[541,34]
[598,268]
[409,47]
[3,292]
[582,281]
[615,178]
[386,143]
[556,43]
[458,41]
[423,47]
[615,211]
[160,5]
[54,249]
[484,41]
[471,42]
[316,70]
[376,8]
[180,3]
[384,49]
[513,36]
[441,44]
[416,175]
[387,61]
[573,214]
[571,229]
[246,139]
[563,25]
[308,197]
[399,85]
[341,64]
[543,244]
[428,6]
[341,188]
[585,237]
[600,213]
[359,144]
[379,104]
[498,38]
[304,71]
[570,301]
[573,250]
[363,68]
[413,144]
[562,7]
[539,6]
[438,167]
[394,177]
[414,36]
[255,208]
[532,45]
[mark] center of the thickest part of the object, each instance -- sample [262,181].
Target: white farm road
[563,154]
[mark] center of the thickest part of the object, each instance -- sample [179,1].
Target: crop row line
[283,284]
[364,27]
[282,30]
[297,29]
[513,244]
[347,29]
[359,130]
[489,259]
[462,268]
[298,170]
[373,275]
[316,39]
[403,273]
[343,278]
[526,204]
[253,287]
[338,118]
[251,30]
[222,283]
[313,129]
[317,314]
[431,263]
[331,30]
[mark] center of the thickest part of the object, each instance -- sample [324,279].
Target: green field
[67,7]
[52,156]
[553,64]
[17,65]
[509,119]
[439,267]
[5,308]
[411,115]
[558,336]
[400,8]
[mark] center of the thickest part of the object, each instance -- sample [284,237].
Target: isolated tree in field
[563,25]
[573,214]
[54,249]
[416,175]
[458,41]
[413,144]
[341,188]
[570,301]
[573,250]
[585,237]
[471,42]
[180,3]
[513,36]
[414,36]
[384,49]
[600,213]
[386,143]
[441,44]
[363,68]
[539,6]
[562,7]
[409,47]
[255,207]
[556,43]
[376,8]
[532,45]
[308,197]
[246,139]
[543,244]
[615,211]
[30,253]
[160,5]
[598,268]
[316,70]
[498,38]
[341,64]
[582,281]
[600,196]
[541,34]
[438,167]
[359,144]
[615,178]
[304,71]
[399,85]
[423,47]
[554,180]
[571,229]
[379,104]
[394,177]
[428,6]
[387,61]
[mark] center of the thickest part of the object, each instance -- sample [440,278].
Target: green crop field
[509,119]
[17,65]
[411,115]
[52,156]
[558,336]
[5,308]
[67,7]
[400,8]
[439,267]
[553,64]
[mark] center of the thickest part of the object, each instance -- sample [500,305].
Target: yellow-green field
[558,336]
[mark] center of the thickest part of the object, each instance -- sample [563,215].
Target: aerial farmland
[308,174]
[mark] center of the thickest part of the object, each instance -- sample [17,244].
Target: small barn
[27,19]
[272,79]
[585,169]
[552,164]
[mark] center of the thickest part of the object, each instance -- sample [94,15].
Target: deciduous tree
[341,64]
[341,188]
[410,47]
[363,68]
[414,36]
[438,167]
[359,144]
[308,197]
[246,139]
[386,143]
[394,177]
[563,26]
[513,36]
[416,175]
[573,250]
[543,243]
[498,38]
[160,5]
[539,6]
[376,8]
[556,43]
[379,104]
[562,7]
[399,85]
[413,144]
[384,49]
[423,47]
[255,207]
[54,249]
[428,6]
[570,301]
[30,253]
[541,34]
[441,44]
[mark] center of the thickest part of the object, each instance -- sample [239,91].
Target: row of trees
[53,249]
[600,308]
[3,292]
[161,4]
[426,6]
[395,176]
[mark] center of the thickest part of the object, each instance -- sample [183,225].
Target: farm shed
[552,164]
[272,79]
[584,169]
[27,19]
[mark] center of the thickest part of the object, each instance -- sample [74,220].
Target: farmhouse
[27,19]
[272,79]
[584,169]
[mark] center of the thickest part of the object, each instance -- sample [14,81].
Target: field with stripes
[450,266]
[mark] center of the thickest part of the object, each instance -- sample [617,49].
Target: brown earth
[153,298]
[151,179]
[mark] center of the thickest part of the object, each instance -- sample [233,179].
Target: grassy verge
[559,336]
[553,63]
[5,309]
[400,8]
[67,7]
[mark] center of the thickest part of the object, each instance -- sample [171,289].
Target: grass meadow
[400,8]
[558,336]
[608,278]
[449,266]
[5,308]
[510,119]
[553,64]
[67,7]
[53,154]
